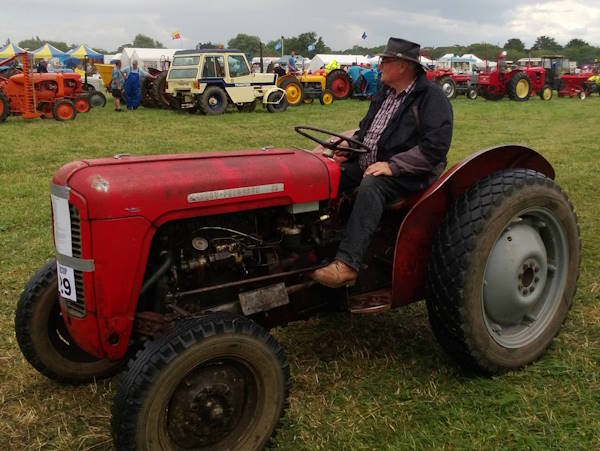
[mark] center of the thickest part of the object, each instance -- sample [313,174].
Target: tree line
[576,49]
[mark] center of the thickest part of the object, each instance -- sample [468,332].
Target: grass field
[379,382]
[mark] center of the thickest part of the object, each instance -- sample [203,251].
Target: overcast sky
[110,23]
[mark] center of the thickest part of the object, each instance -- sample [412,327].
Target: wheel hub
[213,101]
[206,406]
[515,274]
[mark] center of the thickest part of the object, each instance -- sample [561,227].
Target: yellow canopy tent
[9,50]
[83,50]
[48,51]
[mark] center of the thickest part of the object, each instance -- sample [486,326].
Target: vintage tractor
[183,262]
[305,88]
[211,80]
[520,83]
[17,95]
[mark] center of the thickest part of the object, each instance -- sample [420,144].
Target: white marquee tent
[146,57]
[343,60]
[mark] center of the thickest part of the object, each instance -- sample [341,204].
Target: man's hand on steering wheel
[335,142]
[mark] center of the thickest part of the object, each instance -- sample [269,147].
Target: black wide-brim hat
[403,49]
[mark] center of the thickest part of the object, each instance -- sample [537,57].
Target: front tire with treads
[503,271]
[217,382]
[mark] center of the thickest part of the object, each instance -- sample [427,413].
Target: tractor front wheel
[472,94]
[276,102]
[218,382]
[82,104]
[326,97]
[546,93]
[503,271]
[64,110]
[4,107]
[519,87]
[213,100]
[97,99]
[44,339]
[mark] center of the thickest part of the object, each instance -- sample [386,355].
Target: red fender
[418,229]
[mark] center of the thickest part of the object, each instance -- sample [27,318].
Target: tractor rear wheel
[326,97]
[213,100]
[503,271]
[277,102]
[44,339]
[546,93]
[158,90]
[4,107]
[294,92]
[519,87]
[64,110]
[218,382]
[82,104]
[448,87]
[97,99]
[340,83]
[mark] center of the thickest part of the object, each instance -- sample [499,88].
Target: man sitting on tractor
[408,128]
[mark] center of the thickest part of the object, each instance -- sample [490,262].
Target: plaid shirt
[388,109]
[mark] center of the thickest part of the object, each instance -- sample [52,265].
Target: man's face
[392,69]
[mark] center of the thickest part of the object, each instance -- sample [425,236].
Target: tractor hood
[198,184]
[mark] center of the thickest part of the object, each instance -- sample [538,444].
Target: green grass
[379,382]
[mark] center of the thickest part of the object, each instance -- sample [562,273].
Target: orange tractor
[44,95]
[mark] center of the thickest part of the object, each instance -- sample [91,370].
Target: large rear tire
[158,90]
[217,382]
[213,100]
[294,92]
[44,339]
[503,271]
[448,86]
[340,83]
[4,107]
[519,87]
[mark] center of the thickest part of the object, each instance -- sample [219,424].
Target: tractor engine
[201,263]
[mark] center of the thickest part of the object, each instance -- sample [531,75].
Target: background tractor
[305,88]
[184,262]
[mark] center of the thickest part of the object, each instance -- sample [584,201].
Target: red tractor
[453,84]
[520,83]
[183,263]
[60,95]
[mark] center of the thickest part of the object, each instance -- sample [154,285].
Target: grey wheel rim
[525,278]
[448,89]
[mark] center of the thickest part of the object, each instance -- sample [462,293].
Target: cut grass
[378,382]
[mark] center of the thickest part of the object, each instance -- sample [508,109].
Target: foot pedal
[374,302]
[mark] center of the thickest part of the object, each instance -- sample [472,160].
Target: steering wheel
[333,145]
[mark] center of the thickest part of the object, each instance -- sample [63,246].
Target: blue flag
[311,47]
[364,35]
[277,45]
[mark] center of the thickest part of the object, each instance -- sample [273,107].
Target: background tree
[546,43]
[514,44]
[35,43]
[576,44]
[246,43]
[144,41]
[206,45]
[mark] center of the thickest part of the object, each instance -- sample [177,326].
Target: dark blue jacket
[418,137]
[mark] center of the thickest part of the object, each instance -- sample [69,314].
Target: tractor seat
[397,204]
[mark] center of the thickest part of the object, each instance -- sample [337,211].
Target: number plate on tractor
[66,282]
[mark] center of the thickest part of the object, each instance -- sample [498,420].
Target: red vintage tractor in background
[519,83]
[453,84]
[183,262]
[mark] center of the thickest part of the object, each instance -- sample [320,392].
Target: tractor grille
[76,309]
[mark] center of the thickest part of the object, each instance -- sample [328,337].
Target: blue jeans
[374,192]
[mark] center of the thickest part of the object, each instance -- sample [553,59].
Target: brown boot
[335,275]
